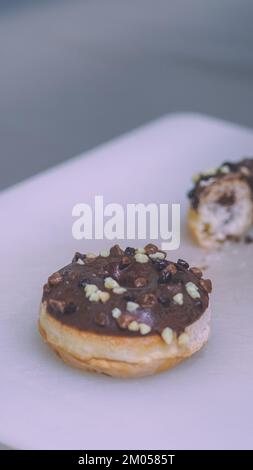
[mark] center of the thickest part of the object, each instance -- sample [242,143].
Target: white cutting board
[205,402]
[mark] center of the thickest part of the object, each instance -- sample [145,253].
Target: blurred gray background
[75,73]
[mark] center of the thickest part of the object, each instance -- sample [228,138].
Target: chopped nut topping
[144,329]
[167,335]
[192,290]
[133,326]
[104,253]
[196,271]
[104,297]
[110,283]
[183,339]
[150,249]
[140,282]
[141,258]
[132,306]
[116,312]
[119,290]
[206,284]
[171,268]
[157,255]
[57,305]
[124,319]
[90,255]
[55,279]
[79,261]
[178,298]
[116,251]
[148,300]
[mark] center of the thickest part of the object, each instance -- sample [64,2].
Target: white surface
[204,403]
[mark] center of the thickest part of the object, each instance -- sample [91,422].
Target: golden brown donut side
[119,356]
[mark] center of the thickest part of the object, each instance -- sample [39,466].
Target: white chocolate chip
[157,255]
[104,253]
[167,335]
[140,250]
[89,289]
[80,261]
[116,312]
[225,169]
[133,326]
[131,306]
[95,296]
[196,177]
[210,172]
[110,283]
[141,258]
[192,290]
[90,255]
[119,290]
[178,298]
[144,329]
[104,296]
[183,339]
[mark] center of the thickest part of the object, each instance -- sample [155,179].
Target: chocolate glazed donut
[125,312]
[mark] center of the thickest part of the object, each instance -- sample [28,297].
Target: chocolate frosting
[242,170]
[152,285]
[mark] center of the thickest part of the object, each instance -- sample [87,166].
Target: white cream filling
[220,222]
